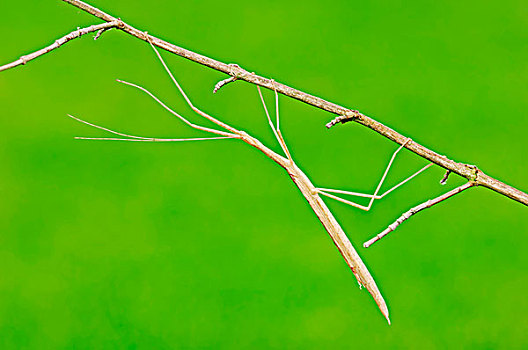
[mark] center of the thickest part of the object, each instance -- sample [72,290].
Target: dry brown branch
[418,208]
[467,171]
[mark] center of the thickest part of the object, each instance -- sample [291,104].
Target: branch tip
[427,204]
[99,28]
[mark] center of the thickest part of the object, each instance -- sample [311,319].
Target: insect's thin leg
[276,132]
[359,194]
[192,125]
[281,139]
[406,180]
[359,206]
[197,110]
[326,191]
[356,194]
[386,172]
[268,115]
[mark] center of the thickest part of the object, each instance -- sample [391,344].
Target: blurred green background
[209,245]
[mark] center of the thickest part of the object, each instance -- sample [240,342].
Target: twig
[444,179]
[59,42]
[100,32]
[349,115]
[417,209]
[222,83]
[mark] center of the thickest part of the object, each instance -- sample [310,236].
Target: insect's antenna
[107,130]
[153,139]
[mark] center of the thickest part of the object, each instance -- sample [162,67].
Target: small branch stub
[100,32]
[444,179]
[221,83]
[348,116]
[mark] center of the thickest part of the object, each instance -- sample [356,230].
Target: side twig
[417,209]
[100,28]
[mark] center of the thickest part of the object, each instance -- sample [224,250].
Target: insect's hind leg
[327,192]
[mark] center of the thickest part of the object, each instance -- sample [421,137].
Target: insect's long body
[337,234]
[328,220]
[309,191]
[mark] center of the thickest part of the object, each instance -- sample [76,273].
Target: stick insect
[311,193]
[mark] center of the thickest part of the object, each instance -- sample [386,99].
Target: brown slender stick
[470,172]
[417,209]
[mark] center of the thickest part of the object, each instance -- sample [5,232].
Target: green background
[209,244]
